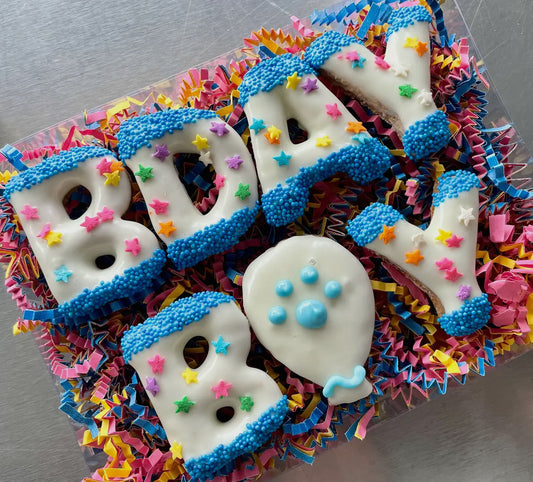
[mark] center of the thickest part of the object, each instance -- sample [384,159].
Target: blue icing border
[134,280]
[473,315]
[369,224]
[140,131]
[270,73]
[452,183]
[213,239]
[255,435]
[173,318]
[63,162]
[327,45]
[363,163]
[426,136]
[403,17]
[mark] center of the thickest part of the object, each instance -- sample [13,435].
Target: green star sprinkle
[407,91]
[183,405]
[246,403]
[144,173]
[243,191]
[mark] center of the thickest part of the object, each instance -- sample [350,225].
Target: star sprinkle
[104,166]
[333,111]
[361,138]
[63,274]
[218,128]
[166,228]
[466,216]
[380,62]
[464,292]
[220,181]
[117,166]
[205,157]
[257,125]
[243,191]
[454,241]
[144,173]
[309,85]
[112,178]
[44,231]
[157,364]
[246,403]
[411,42]
[355,127]
[444,263]
[352,56]
[161,152]
[323,141]
[293,81]
[407,90]
[221,389]
[421,48]
[358,63]
[425,98]
[159,207]
[274,132]
[105,214]
[152,386]
[387,234]
[234,162]
[90,223]
[190,376]
[418,239]
[183,405]
[132,246]
[29,212]
[282,159]
[452,274]
[443,236]
[200,142]
[176,450]
[53,237]
[413,257]
[399,70]
[220,345]
[271,139]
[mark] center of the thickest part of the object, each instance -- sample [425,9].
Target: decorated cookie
[214,409]
[282,96]
[70,207]
[397,85]
[306,295]
[442,257]
[148,144]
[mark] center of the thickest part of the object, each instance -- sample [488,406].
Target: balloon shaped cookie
[310,302]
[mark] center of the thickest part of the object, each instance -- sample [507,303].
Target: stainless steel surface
[58,58]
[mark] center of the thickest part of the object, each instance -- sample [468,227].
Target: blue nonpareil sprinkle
[426,136]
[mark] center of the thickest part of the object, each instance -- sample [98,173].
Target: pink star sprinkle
[152,386]
[464,292]
[352,56]
[333,111]
[160,207]
[218,128]
[219,181]
[234,162]
[132,246]
[221,389]
[161,152]
[29,212]
[105,214]
[452,274]
[444,263]
[90,223]
[157,364]
[380,62]
[104,166]
[454,241]
[44,231]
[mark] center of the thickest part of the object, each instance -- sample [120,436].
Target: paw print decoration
[306,295]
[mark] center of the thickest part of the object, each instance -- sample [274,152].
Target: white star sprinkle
[205,157]
[425,98]
[399,70]
[466,216]
[418,239]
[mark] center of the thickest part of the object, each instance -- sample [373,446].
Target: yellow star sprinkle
[176,451]
[323,141]
[112,178]
[190,376]
[166,228]
[200,142]
[53,237]
[443,236]
[411,42]
[293,81]
[274,132]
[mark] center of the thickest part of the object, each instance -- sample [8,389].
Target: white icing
[165,184]
[343,342]
[199,431]
[280,104]
[79,248]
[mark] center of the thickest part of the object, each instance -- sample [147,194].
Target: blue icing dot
[284,288]
[311,314]
[277,315]
[309,275]
[332,289]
